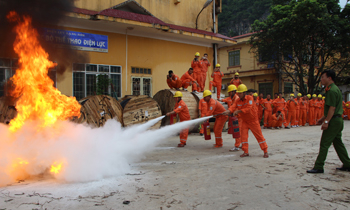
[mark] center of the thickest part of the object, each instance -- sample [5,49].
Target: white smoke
[86,153]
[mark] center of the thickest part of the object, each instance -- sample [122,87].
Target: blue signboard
[76,40]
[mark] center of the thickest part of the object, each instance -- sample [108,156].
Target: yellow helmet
[291,95]
[299,94]
[178,94]
[308,95]
[231,88]
[206,93]
[320,96]
[237,74]
[197,54]
[255,94]
[314,96]
[346,104]
[217,65]
[323,97]
[242,88]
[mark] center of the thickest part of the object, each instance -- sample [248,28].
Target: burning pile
[38,99]
[40,140]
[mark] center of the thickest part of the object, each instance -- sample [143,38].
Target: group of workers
[318,111]
[197,75]
[295,112]
[241,105]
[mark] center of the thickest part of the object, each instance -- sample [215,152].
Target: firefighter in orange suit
[260,108]
[280,105]
[236,81]
[256,104]
[308,108]
[196,64]
[232,95]
[229,100]
[188,80]
[277,120]
[347,107]
[215,108]
[299,99]
[243,107]
[205,65]
[174,82]
[292,111]
[318,109]
[303,111]
[267,106]
[312,105]
[182,110]
[203,108]
[217,80]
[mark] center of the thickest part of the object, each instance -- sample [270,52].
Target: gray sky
[342,3]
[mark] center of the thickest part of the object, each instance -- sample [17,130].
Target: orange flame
[38,99]
[56,168]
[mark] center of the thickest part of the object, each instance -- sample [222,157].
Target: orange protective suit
[215,107]
[347,108]
[205,65]
[307,111]
[276,122]
[292,113]
[280,105]
[182,110]
[175,82]
[298,110]
[187,79]
[312,116]
[203,108]
[236,82]
[229,102]
[260,108]
[303,111]
[318,109]
[217,81]
[249,121]
[197,72]
[267,112]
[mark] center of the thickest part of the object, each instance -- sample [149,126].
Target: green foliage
[103,83]
[238,15]
[312,33]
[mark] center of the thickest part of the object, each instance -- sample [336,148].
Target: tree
[303,38]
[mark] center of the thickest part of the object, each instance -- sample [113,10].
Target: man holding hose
[215,108]
[243,107]
[182,110]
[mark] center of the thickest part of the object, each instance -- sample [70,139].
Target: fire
[37,98]
[56,168]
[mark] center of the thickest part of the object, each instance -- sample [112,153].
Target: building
[135,43]
[256,74]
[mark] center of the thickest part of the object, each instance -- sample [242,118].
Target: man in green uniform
[332,125]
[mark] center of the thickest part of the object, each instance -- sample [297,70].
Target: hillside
[238,15]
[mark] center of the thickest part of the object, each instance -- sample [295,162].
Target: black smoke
[44,14]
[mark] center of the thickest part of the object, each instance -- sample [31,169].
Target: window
[8,69]
[141,86]
[288,57]
[85,79]
[234,58]
[288,87]
[136,70]
[266,88]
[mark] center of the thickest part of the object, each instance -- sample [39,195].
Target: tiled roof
[193,30]
[84,11]
[243,35]
[131,16]
[147,19]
